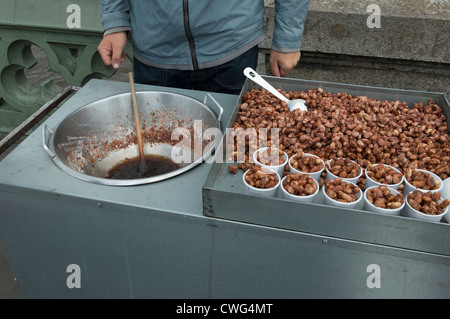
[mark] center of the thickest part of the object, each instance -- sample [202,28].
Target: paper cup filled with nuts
[271,158]
[382,174]
[304,163]
[384,200]
[426,206]
[445,193]
[345,168]
[261,181]
[340,193]
[422,180]
[299,187]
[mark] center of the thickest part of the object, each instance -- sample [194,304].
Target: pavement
[9,288]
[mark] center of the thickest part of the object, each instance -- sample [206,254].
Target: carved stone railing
[67,32]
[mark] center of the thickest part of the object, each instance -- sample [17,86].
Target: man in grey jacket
[203,44]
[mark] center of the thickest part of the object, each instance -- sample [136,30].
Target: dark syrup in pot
[129,168]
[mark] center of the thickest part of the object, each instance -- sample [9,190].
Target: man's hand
[112,47]
[282,63]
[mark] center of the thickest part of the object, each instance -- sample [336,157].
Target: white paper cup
[279,169]
[409,188]
[332,202]
[445,193]
[370,182]
[414,213]
[314,175]
[372,208]
[304,199]
[264,192]
[353,180]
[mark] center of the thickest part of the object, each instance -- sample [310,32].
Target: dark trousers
[225,78]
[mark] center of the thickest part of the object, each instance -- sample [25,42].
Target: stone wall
[409,50]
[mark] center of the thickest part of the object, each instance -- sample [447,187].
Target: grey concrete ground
[9,288]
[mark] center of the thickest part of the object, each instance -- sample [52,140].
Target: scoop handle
[255,77]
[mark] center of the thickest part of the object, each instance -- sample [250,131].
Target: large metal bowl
[95,138]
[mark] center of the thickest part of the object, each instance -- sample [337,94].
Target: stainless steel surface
[292,104]
[153,241]
[96,137]
[42,174]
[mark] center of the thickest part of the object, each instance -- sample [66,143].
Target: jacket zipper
[189,36]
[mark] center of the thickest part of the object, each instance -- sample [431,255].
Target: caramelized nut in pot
[341,191]
[343,167]
[384,174]
[261,178]
[366,130]
[382,197]
[427,203]
[267,157]
[233,169]
[299,184]
[306,163]
[421,179]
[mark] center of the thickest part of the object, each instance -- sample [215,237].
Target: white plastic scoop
[292,104]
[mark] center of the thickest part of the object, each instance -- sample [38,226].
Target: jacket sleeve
[115,13]
[290,16]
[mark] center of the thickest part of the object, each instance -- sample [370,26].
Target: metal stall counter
[196,235]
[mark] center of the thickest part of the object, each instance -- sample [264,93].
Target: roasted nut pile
[421,180]
[343,167]
[427,203]
[340,190]
[271,156]
[381,197]
[261,177]
[299,184]
[384,174]
[233,169]
[305,163]
[366,130]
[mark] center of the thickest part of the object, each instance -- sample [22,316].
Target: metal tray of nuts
[224,193]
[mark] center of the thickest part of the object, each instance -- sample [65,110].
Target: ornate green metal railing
[67,32]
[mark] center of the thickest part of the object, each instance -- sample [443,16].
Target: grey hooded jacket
[196,34]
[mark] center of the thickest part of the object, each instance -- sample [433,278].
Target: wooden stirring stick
[142,165]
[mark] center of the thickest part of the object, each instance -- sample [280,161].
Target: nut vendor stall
[199,235]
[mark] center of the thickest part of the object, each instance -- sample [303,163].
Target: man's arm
[115,13]
[290,16]
[116,23]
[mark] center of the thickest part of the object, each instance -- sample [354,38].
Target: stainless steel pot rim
[48,141]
